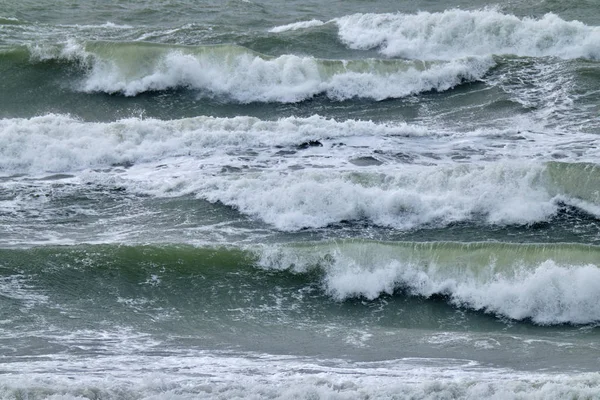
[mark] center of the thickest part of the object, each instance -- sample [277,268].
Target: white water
[238,162]
[288,78]
[546,292]
[403,197]
[260,376]
[459,33]
[60,143]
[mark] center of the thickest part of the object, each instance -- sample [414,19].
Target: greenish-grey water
[258,199]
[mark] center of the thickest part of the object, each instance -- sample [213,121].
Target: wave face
[245,76]
[460,33]
[547,284]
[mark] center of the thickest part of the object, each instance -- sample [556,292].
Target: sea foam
[402,198]
[243,376]
[242,75]
[61,143]
[548,284]
[460,33]
[299,188]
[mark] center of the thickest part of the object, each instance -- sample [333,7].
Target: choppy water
[254,199]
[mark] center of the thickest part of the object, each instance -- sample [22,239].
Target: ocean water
[299,200]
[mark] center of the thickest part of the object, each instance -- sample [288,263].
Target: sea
[301,199]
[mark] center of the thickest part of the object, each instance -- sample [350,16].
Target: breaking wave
[461,33]
[298,189]
[244,76]
[60,143]
[407,197]
[548,284]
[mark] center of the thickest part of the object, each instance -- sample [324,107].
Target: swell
[238,74]
[545,283]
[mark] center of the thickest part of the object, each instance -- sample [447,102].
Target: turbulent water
[300,199]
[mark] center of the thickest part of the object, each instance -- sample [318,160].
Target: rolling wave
[544,283]
[270,170]
[462,33]
[404,198]
[245,76]
[547,284]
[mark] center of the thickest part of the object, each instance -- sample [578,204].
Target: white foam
[253,376]
[460,33]
[403,198]
[288,78]
[297,25]
[61,143]
[237,161]
[187,156]
[547,292]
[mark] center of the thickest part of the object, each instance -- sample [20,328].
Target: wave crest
[460,33]
[406,198]
[245,76]
[548,284]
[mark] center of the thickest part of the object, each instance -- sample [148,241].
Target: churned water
[260,199]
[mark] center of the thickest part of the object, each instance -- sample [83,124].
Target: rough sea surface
[264,199]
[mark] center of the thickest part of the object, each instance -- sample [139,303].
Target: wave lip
[460,33]
[547,284]
[297,25]
[245,76]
